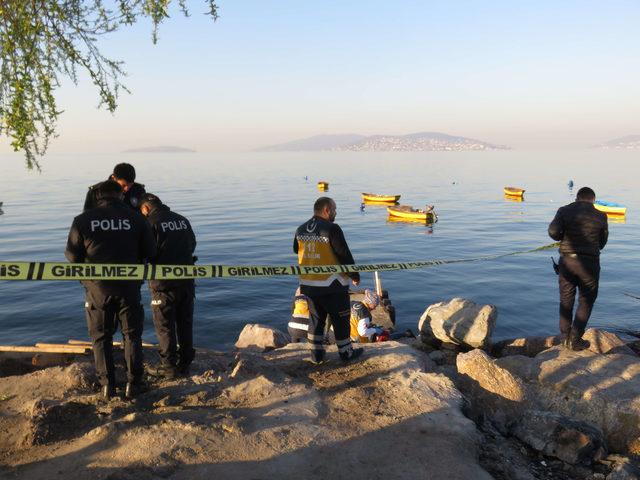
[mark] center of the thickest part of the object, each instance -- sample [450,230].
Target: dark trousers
[581,272]
[297,335]
[336,304]
[102,321]
[173,320]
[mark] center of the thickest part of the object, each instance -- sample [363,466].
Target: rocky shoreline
[420,408]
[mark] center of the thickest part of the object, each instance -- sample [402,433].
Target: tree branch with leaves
[43,42]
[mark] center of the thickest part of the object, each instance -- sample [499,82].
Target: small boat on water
[514,191]
[610,208]
[408,213]
[323,185]
[375,198]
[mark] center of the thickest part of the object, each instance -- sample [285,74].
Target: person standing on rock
[125,175]
[171,300]
[113,233]
[582,231]
[320,241]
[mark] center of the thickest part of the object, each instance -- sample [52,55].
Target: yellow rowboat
[610,208]
[513,198]
[408,213]
[514,191]
[373,198]
[323,186]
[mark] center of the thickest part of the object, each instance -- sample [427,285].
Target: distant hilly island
[414,142]
[630,142]
[159,149]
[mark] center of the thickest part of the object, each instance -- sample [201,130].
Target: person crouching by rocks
[301,314]
[362,328]
[113,233]
[582,231]
[171,300]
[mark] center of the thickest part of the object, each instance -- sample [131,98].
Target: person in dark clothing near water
[171,300]
[320,241]
[582,231]
[125,175]
[112,233]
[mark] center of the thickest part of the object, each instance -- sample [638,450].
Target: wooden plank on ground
[63,346]
[117,344]
[29,349]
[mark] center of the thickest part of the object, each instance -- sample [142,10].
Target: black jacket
[580,228]
[131,198]
[175,242]
[110,233]
[332,231]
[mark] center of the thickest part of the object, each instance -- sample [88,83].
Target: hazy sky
[526,74]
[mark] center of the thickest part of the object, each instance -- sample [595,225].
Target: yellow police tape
[99,271]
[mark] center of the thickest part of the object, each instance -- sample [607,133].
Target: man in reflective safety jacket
[320,241]
[125,175]
[113,233]
[582,231]
[171,300]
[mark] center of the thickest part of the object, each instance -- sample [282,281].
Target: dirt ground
[247,415]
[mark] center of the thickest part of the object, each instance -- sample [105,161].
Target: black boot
[107,392]
[317,357]
[576,344]
[133,389]
[351,354]
[166,371]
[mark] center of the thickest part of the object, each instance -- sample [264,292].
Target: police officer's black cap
[150,198]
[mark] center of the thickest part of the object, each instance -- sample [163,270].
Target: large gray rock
[600,341]
[261,337]
[494,392]
[606,342]
[459,321]
[557,436]
[600,389]
[528,346]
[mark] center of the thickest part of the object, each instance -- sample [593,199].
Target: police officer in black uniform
[112,233]
[582,231]
[171,300]
[125,175]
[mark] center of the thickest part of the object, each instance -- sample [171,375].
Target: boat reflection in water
[428,225]
[616,218]
[513,198]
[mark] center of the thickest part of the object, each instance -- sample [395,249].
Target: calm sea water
[245,208]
